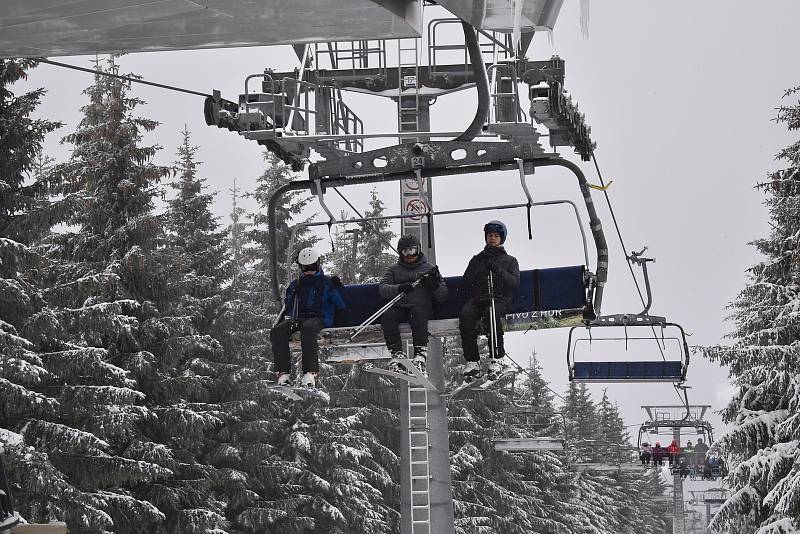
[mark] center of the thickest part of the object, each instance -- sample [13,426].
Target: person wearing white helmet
[310,303]
[505,276]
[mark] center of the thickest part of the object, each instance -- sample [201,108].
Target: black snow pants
[471,314]
[416,316]
[279,336]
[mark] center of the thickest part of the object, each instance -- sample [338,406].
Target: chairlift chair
[553,297]
[654,333]
[525,417]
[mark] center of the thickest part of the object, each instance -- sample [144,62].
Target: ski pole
[492,319]
[360,328]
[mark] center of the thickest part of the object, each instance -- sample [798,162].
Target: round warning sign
[415,205]
[410,184]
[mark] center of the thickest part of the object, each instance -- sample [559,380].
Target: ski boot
[472,371]
[285,379]
[394,365]
[309,381]
[420,359]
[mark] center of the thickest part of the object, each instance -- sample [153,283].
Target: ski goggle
[309,268]
[410,251]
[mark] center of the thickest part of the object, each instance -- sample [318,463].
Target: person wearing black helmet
[416,307]
[505,276]
[310,304]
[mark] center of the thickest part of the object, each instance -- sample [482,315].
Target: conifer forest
[137,375]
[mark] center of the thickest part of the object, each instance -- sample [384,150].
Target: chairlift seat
[540,290]
[546,298]
[650,371]
[528,444]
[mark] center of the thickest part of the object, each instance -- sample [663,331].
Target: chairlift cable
[622,244]
[523,370]
[122,77]
[616,225]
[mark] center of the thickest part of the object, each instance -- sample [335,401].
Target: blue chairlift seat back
[541,290]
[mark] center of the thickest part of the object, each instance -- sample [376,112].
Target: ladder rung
[420,448]
[419,492]
[420,477]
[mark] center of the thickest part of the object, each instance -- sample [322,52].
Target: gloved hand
[336,281]
[405,288]
[431,280]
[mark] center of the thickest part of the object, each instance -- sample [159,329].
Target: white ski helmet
[307,256]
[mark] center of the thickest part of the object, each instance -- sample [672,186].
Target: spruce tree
[197,245]
[376,240]
[28,373]
[258,293]
[135,388]
[581,415]
[613,438]
[764,363]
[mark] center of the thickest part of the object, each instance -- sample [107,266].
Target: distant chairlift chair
[532,422]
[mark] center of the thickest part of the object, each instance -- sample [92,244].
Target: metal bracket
[321,199]
[637,259]
[403,159]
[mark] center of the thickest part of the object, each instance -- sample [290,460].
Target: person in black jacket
[416,307]
[505,276]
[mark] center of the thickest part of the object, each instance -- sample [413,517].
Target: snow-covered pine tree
[127,382]
[345,255]
[612,436]
[377,239]
[257,283]
[581,415]
[27,373]
[194,244]
[496,491]
[236,238]
[536,390]
[764,365]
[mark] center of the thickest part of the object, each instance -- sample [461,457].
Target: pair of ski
[415,376]
[483,383]
[297,393]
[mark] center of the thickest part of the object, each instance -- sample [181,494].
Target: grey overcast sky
[681,97]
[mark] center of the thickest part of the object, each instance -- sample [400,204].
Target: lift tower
[675,418]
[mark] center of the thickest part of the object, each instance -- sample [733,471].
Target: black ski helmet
[496,226]
[406,242]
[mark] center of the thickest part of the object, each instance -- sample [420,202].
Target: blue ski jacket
[313,296]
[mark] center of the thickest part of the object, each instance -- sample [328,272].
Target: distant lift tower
[676,418]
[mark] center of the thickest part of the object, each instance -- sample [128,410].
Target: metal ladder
[408,76]
[419,448]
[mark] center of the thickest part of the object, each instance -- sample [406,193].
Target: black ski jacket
[506,281]
[407,273]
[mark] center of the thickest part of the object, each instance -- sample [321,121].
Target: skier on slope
[416,307]
[310,304]
[505,276]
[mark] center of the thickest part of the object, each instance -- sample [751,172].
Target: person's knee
[279,330]
[309,328]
